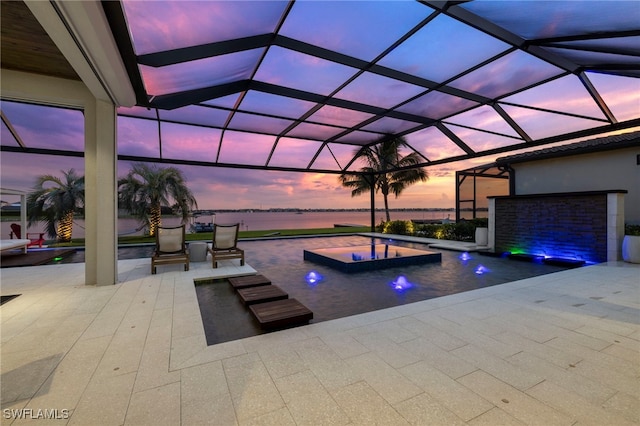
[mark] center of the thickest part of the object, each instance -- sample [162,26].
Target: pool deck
[558,349]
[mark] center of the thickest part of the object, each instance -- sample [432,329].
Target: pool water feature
[332,294]
[370,257]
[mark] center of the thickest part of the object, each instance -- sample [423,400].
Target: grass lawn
[208,236]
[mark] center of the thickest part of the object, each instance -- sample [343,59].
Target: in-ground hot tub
[370,257]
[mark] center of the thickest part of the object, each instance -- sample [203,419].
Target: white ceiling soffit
[81,32]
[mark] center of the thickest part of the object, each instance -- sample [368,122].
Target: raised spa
[370,257]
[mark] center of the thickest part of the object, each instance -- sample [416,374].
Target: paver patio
[559,349]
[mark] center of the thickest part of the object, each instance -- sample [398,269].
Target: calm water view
[258,220]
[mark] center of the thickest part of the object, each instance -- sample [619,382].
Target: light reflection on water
[368,252]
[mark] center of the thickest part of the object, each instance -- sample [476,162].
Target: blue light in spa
[480,270]
[313,278]
[401,284]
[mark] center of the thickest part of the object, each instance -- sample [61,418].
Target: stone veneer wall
[576,225]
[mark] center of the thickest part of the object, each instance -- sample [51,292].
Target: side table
[197,251]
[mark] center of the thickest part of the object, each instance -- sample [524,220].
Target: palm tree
[383,161]
[56,200]
[148,188]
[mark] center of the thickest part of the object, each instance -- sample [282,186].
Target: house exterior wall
[602,171]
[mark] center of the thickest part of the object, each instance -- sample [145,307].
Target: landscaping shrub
[630,229]
[398,227]
[461,231]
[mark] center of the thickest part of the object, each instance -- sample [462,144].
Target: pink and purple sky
[224,188]
[228,188]
[215,188]
[560,105]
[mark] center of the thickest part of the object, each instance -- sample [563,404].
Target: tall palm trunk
[154,219]
[65,226]
[386,207]
[385,196]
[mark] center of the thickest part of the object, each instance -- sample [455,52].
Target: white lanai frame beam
[81,33]
[99,160]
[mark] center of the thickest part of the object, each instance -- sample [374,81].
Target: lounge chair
[225,244]
[16,231]
[170,248]
[35,238]
[6,245]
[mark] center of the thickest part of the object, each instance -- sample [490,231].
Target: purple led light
[401,284]
[481,269]
[313,278]
[465,256]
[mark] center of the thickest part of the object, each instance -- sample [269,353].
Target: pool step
[269,303]
[249,281]
[281,313]
[261,294]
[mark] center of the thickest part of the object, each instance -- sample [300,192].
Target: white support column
[101,205]
[492,224]
[23,217]
[615,226]
[23,214]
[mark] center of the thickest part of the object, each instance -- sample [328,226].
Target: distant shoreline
[293,209]
[10,215]
[263,220]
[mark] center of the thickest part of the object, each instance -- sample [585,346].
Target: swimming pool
[333,294]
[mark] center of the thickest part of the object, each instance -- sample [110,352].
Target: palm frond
[384,160]
[53,197]
[148,188]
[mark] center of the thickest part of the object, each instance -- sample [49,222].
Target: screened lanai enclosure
[474,185]
[302,85]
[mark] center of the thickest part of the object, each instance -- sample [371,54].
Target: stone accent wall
[568,225]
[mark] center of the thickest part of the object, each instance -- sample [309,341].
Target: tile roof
[624,140]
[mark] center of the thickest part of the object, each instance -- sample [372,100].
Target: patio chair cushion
[170,243]
[225,242]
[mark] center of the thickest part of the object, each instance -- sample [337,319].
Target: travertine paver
[282,361]
[390,352]
[567,377]
[364,406]
[387,381]
[332,371]
[158,406]
[205,396]
[561,349]
[252,389]
[513,401]
[424,409]
[574,404]
[314,406]
[448,392]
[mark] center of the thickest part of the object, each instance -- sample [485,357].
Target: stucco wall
[616,169]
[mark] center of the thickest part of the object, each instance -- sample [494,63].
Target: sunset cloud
[275,102]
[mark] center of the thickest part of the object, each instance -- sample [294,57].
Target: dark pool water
[339,294]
